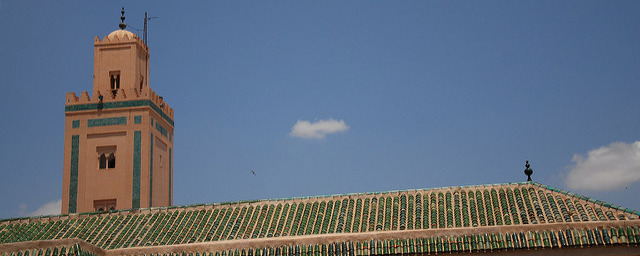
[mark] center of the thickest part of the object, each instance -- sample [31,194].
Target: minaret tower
[118,145]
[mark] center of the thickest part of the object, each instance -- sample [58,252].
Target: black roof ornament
[528,171]
[122,25]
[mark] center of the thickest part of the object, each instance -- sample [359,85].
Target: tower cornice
[124,98]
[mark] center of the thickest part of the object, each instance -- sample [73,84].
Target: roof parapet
[120,37]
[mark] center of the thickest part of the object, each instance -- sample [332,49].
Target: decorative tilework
[75,124]
[161,129]
[170,177]
[374,217]
[151,174]
[72,249]
[137,119]
[119,104]
[73,180]
[162,114]
[122,120]
[137,136]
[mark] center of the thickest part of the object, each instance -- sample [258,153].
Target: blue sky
[403,94]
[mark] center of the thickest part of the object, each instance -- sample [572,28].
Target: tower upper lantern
[121,61]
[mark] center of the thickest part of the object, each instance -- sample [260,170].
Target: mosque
[118,187]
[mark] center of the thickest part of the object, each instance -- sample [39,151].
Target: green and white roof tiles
[453,212]
[494,242]
[61,250]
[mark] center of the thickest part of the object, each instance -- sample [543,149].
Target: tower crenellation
[119,37]
[123,95]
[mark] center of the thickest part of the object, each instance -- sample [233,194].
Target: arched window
[104,205]
[106,157]
[114,77]
[112,161]
[103,161]
[141,82]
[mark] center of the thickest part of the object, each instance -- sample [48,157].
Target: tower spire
[528,171]
[122,25]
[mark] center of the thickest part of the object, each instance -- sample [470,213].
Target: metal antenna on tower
[145,34]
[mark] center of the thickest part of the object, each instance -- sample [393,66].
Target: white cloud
[318,129]
[22,209]
[609,167]
[50,208]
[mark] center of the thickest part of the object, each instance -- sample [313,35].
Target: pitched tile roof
[464,218]
[58,248]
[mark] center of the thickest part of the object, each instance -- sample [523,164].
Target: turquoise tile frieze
[151,173]
[161,129]
[119,104]
[122,120]
[75,124]
[137,137]
[162,114]
[73,180]
[137,119]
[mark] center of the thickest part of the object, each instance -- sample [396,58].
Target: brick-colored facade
[118,146]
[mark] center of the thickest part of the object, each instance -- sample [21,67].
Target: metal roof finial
[528,171]
[122,25]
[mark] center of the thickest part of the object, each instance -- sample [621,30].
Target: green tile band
[151,174]
[119,104]
[170,176]
[122,120]
[161,129]
[75,124]
[137,136]
[73,180]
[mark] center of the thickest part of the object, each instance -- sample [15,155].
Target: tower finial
[528,171]
[122,25]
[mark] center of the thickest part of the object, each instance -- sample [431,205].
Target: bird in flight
[254,173]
